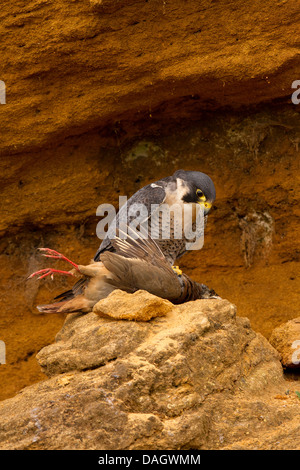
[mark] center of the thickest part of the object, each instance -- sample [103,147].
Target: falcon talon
[177,270]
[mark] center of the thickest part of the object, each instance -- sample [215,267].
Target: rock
[140,306]
[286,339]
[88,341]
[197,378]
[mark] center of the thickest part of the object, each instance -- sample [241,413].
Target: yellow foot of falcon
[177,270]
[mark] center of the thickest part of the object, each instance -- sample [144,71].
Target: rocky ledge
[193,376]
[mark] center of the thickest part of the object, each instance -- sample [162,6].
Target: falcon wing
[151,194]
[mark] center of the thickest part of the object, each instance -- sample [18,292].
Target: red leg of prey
[50,271]
[56,255]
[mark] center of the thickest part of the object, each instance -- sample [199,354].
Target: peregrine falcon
[183,188]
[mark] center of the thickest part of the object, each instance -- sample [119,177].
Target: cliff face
[104,97]
[71,68]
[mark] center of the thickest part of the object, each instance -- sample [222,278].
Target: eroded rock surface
[198,377]
[69,69]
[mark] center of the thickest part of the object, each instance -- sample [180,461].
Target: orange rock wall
[104,97]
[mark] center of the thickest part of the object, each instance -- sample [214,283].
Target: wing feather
[148,195]
[138,263]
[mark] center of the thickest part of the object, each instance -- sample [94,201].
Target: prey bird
[136,263]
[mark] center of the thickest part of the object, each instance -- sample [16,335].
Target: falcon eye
[199,193]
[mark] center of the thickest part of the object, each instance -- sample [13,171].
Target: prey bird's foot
[177,270]
[49,272]
[49,253]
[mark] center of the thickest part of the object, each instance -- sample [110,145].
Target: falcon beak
[206,206]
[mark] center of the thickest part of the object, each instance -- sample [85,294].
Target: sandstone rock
[197,378]
[140,306]
[88,341]
[286,339]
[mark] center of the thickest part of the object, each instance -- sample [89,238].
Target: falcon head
[196,187]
